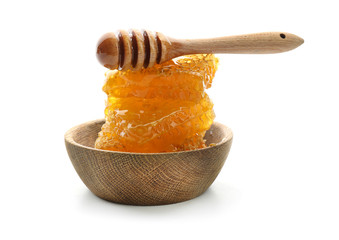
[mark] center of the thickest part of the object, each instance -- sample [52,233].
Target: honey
[160,109]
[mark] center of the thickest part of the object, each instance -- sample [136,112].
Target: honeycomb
[160,109]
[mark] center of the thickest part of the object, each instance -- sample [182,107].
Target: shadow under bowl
[146,178]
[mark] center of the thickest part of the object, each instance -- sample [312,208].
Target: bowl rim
[68,137]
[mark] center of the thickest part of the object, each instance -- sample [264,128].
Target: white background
[281,179]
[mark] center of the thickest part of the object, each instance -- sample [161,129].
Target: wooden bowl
[146,178]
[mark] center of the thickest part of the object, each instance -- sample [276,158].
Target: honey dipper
[141,49]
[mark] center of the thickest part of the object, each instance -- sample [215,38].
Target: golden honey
[160,109]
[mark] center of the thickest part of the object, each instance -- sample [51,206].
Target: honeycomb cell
[160,109]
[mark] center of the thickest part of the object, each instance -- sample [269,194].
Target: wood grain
[146,179]
[255,43]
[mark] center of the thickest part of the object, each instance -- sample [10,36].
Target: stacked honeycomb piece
[160,109]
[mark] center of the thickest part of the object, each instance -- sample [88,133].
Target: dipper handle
[142,49]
